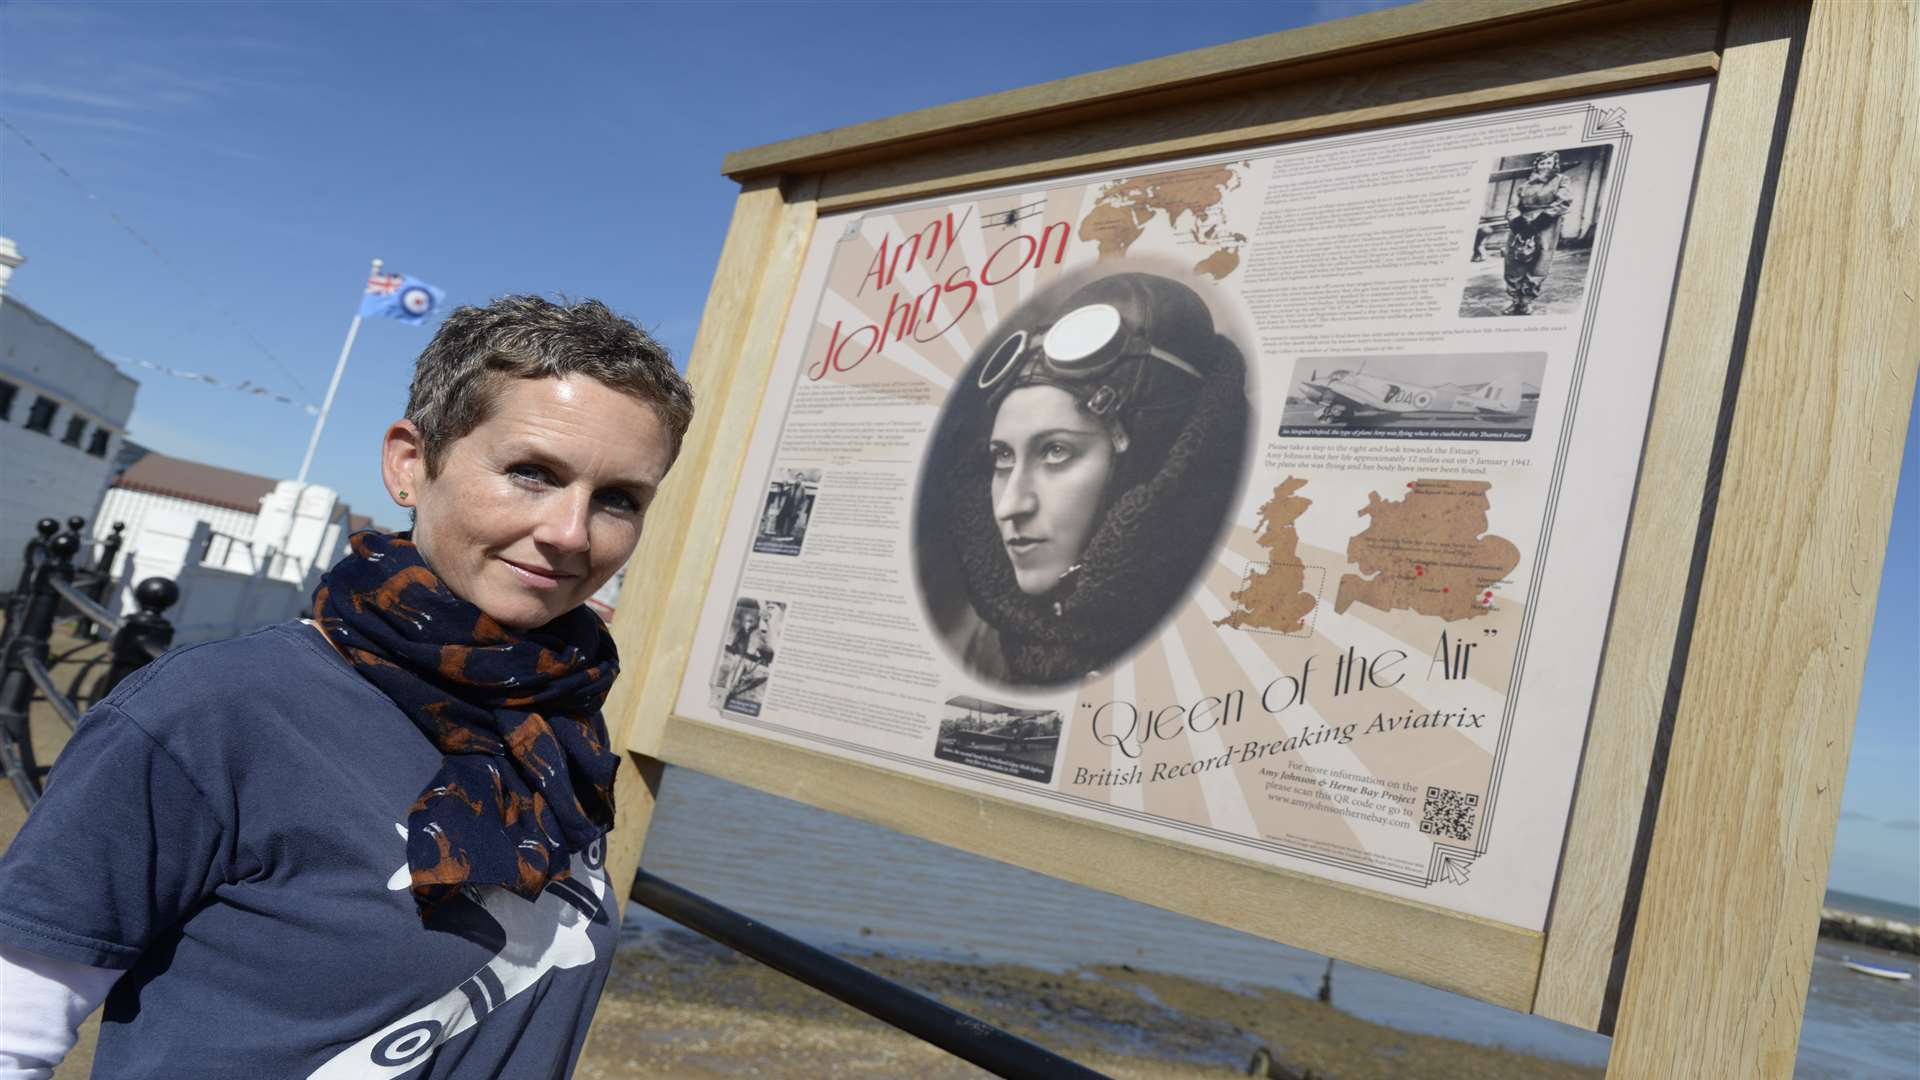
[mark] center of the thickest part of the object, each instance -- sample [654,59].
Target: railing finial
[63,548]
[155,595]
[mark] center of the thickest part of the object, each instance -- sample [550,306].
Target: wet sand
[694,1010]
[680,1006]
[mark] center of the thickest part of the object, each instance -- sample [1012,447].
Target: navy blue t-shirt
[228,826]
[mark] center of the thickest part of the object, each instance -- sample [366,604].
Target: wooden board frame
[1751,261]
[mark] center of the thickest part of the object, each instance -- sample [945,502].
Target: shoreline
[679,1005]
[1891,934]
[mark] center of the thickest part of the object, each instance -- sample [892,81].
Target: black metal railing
[50,584]
[965,1037]
[30,557]
[102,575]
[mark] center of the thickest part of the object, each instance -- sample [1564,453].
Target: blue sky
[268,152]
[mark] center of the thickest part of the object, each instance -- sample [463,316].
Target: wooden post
[1582,960]
[656,571]
[732,355]
[1717,979]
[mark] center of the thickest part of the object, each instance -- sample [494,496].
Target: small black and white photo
[1536,233]
[782,528]
[999,738]
[739,683]
[1483,397]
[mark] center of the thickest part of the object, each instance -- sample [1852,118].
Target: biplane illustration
[1008,219]
[1352,396]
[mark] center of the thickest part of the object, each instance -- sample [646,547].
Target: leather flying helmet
[1119,343]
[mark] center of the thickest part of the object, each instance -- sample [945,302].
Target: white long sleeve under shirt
[45,1002]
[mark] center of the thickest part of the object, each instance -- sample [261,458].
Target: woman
[1092,454]
[741,674]
[748,637]
[1534,211]
[370,844]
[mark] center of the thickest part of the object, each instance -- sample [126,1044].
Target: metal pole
[955,1032]
[102,572]
[319,424]
[109,552]
[30,557]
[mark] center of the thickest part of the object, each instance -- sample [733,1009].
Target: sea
[1873,905]
[858,888]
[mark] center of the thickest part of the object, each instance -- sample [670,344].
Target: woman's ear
[403,462]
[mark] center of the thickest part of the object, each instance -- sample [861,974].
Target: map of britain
[1275,597]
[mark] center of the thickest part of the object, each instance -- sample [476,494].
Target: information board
[1268,502]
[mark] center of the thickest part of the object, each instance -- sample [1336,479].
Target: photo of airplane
[1357,397]
[1382,398]
[999,738]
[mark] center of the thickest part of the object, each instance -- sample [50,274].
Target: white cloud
[86,98]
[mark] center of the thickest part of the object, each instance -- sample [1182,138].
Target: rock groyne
[1869,930]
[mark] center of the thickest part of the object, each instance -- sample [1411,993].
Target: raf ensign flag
[400,296]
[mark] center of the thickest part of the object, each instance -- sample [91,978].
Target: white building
[223,536]
[63,416]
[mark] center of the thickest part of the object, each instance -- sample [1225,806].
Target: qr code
[1449,813]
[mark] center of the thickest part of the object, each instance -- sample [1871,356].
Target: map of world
[1186,201]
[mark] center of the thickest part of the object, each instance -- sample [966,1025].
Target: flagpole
[320,422]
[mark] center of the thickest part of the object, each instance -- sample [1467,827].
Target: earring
[403,494]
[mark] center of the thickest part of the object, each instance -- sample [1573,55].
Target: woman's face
[539,505]
[1051,463]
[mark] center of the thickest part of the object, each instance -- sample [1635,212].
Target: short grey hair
[460,374]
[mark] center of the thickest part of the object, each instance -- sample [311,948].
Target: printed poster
[1267,502]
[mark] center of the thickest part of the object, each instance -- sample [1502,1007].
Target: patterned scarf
[528,775]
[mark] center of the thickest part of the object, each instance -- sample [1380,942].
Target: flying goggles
[1086,352]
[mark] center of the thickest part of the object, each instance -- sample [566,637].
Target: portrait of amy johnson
[1079,477]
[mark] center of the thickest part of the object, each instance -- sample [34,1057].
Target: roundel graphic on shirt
[416,300]
[407,1043]
[550,934]
[596,854]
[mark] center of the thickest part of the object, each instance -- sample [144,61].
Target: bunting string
[244,386]
[185,277]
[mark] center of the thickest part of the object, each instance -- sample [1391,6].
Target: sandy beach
[695,1010]
[680,1006]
